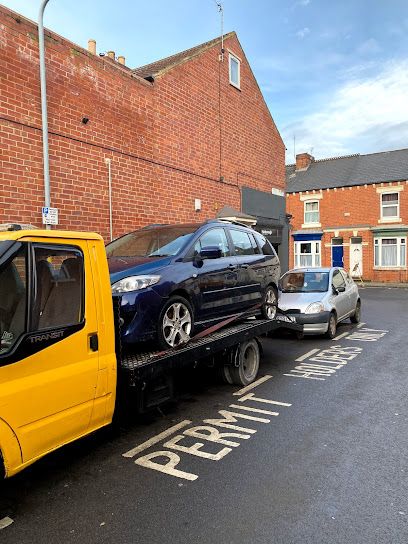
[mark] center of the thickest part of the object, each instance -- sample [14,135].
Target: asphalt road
[330,468]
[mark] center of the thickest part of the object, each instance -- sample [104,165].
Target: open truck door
[52,387]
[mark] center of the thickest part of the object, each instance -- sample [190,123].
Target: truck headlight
[134,283]
[314,308]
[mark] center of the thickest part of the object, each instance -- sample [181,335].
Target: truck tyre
[176,322]
[224,372]
[248,358]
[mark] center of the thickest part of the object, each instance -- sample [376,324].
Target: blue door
[337,256]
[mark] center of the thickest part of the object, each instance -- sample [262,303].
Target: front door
[48,369]
[216,279]
[338,256]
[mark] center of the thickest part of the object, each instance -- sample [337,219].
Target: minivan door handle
[232,267]
[244,265]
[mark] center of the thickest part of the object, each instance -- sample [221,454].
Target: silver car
[319,298]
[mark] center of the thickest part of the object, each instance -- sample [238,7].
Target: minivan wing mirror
[210,252]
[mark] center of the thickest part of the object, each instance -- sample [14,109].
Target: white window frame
[401,243]
[234,57]
[382,206]
[306,202]
[316,253]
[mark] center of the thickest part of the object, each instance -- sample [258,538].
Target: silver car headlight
[134,283]
[314,308]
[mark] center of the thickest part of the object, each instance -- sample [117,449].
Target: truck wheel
[249,357]
[270,303]
[176,323]
[224,373]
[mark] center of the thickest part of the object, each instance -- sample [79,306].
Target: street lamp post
[43,87]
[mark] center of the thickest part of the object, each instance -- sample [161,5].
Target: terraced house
[350,211]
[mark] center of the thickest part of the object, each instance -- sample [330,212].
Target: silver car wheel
[270,304]
[177,324]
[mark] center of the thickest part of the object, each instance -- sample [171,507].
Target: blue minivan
[176,279]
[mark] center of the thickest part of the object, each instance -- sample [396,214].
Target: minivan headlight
[134,283]
[314,308]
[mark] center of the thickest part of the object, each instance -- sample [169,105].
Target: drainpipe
[108,162]
[43,84]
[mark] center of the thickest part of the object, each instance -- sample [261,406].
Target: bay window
[390,252]
[307,254]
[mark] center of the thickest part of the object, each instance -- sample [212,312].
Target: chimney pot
[122,60]
[303,161]
[92,46]
[111,54]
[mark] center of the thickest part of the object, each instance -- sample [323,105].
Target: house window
[390,252]
[235,71]
[312,214]
[307,254]
[390,206]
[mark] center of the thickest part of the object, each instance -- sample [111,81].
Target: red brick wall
[351,211]
[163,139]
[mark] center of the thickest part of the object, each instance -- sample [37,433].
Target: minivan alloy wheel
[270,304]
[176,324]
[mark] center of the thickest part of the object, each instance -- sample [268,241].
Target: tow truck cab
[57,348]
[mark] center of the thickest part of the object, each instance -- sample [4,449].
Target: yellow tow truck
[62,372]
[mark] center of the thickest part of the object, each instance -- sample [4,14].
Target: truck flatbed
[145,366]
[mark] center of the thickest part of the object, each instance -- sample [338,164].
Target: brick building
[350,211]
[190,131]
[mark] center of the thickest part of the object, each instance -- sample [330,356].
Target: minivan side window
[214,238]
[58,298]
[242,242]
[13,300]
[265,245]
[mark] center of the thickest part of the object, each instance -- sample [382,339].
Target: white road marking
[258,410]
[360,325]
[307,355]
[5,522]
[340,336]
[252,385]
[251,396]
[156,439]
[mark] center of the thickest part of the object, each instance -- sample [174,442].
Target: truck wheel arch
[10,451]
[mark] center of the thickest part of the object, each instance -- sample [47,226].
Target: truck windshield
[151,242]
[305,282]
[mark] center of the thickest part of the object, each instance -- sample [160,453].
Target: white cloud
[369,47]
[302,3]
[363,115]
[303,32]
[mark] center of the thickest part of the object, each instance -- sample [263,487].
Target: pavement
[317,454]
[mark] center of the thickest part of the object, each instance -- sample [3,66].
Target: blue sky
[333,72]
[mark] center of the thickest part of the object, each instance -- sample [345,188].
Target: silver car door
[341,299]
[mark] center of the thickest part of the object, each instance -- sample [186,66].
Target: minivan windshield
[152,242]
[305,282]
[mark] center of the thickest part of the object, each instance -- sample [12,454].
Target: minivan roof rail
[232,221]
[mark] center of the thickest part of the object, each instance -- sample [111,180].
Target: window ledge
[235,86]
[310,225]
[390,220]
[396,268]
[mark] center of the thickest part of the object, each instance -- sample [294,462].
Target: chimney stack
[121,60]
[303,161]
[111,54]
[92,46]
